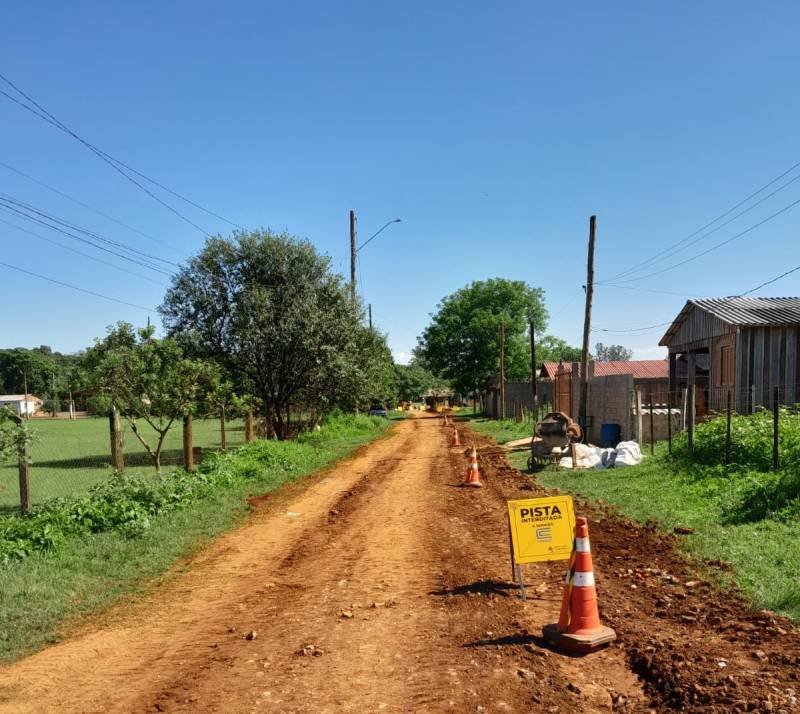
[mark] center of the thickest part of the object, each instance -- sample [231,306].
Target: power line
[87,206]
[770,281]
[75,287]
[718,245]
[29,207]
[654,258]
[649,290]
[81,253]
[33,219]
[115,163]
[632,329]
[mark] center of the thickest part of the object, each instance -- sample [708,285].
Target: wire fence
[66,457]
[659,415]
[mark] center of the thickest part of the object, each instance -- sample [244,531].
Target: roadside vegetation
[743,513]
[74,556]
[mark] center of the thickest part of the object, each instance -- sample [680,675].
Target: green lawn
[69,457]
[764,553]
[45,590]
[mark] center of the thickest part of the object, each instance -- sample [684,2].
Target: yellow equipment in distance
[541,528]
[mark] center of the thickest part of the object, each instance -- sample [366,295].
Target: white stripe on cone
[583,580]
[582,545]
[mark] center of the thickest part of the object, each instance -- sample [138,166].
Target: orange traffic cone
[444,423]
[473,473]
[578,628]
[455,441]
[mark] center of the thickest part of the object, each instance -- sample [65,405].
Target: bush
[129,503]
[751,442]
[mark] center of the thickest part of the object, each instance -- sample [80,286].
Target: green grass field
[69,457]
[764,553]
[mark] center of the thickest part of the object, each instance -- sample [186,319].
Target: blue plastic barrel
[610,434]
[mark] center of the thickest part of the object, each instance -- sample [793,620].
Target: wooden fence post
[728,432]
[690,395]
[24,480]
[188,456]
[117,446]
[223,438]
[669,421]
[775,430]
[652,428]
[248,425]
[637,395]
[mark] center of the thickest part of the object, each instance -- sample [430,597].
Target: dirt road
[381,585]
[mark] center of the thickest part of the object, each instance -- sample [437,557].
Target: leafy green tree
[412,381]
[554,349]
[612,353]
[147,380]
[462,341]
[270,311]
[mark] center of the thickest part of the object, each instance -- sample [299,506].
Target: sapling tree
[148,380]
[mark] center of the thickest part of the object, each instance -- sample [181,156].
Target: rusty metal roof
[639,368]
[745,311]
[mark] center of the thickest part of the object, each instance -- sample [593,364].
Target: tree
[462,341]
[147,379]
[268,309]
[612,353]
[412,381]
[554,349]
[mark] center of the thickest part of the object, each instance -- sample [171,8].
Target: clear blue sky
[492,130]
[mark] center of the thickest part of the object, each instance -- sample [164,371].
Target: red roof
[639,368]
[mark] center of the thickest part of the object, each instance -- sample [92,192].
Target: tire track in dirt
[390,591]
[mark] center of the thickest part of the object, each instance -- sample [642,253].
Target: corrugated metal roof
[753,310]
[745,311]
[639,368]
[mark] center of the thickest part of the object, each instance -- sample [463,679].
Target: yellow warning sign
[541,528]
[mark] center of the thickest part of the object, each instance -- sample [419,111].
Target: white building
[22,404]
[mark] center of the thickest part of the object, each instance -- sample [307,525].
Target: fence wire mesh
[69,456]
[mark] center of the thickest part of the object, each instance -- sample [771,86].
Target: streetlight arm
[382,228]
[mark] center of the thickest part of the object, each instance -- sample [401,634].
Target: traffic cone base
[578,628]
[578,644]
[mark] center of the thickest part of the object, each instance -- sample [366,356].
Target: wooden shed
[742,346]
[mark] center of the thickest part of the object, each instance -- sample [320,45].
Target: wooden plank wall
[769,359]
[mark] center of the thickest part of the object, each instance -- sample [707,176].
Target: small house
[21,404]
[738,348]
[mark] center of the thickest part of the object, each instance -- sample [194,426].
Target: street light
[382,228]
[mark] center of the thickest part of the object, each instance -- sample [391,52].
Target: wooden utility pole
[534,402]
[502,370]
[115,432]
[370,316]
[353,256]
[587,327]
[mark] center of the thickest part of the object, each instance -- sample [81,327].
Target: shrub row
[128,503]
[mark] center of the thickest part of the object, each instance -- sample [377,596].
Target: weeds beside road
[118,544]
[742,514]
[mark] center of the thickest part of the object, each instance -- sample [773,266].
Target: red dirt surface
[382,585]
